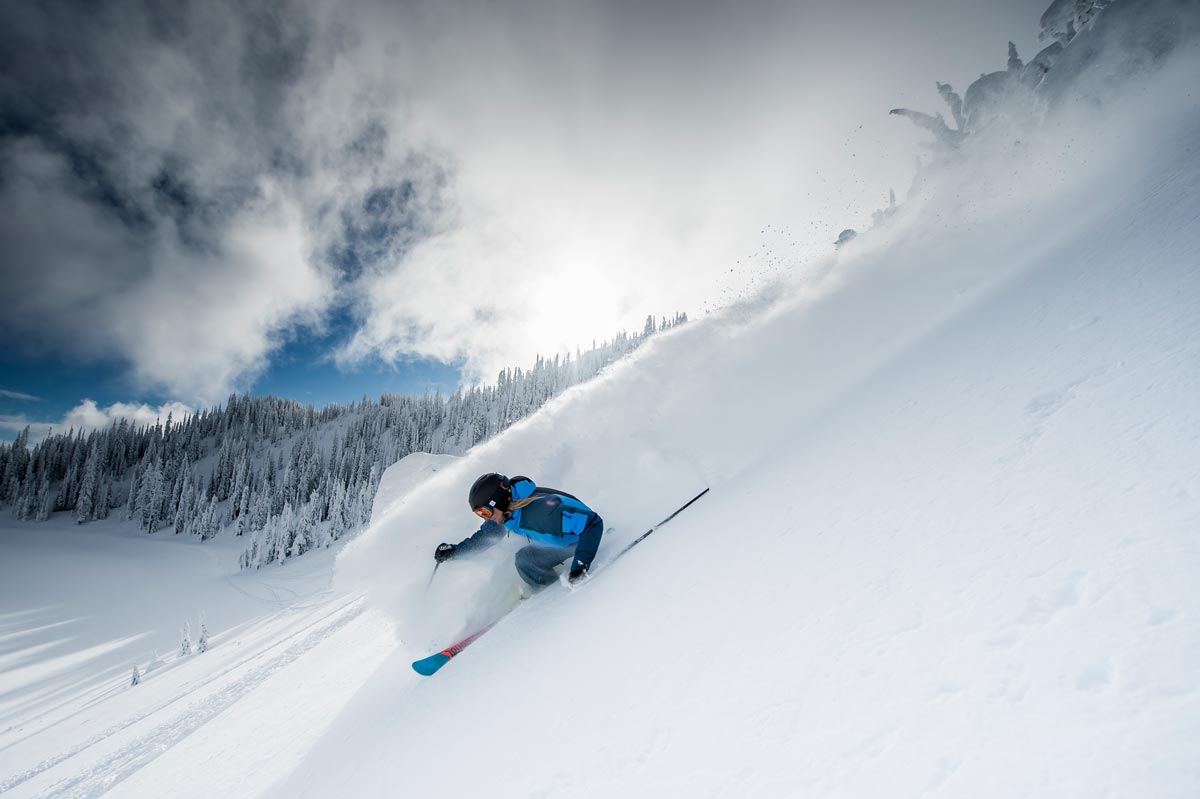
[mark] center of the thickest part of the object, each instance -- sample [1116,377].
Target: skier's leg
[536,564]
[589,544]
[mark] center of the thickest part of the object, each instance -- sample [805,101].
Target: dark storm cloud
[165,196]
[156,108]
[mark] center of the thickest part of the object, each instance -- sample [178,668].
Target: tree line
[287,476]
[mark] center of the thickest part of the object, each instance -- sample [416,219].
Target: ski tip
[429,665]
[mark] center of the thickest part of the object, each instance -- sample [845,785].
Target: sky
[322,200]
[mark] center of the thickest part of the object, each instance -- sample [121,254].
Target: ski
[429,665]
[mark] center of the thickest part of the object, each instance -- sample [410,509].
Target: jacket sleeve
[589,543]
[488,535]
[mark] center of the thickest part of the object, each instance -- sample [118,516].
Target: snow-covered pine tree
[85,505]
[300,537]
[1014,60]
[68,491]
[210,523]
[104,500]
[337,510]
[12,466]
[185,640]
[284,530]
[187,501]
[202,644]
[243,515]
[43,501]
[149,498]
[135,486]
[136,679]
[23,502]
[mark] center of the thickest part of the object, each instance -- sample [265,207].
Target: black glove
[577,573]
[443,552]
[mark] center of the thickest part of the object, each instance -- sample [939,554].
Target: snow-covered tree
[85,504]
[1014,61]
[202,644]
[104,500]
[284,530]
[299,537]
[951,98]
[243,515]
[136,679]
[43,501]
[150,498]
[254,458]
[185,640]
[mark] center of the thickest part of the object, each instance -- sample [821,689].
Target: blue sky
[332,199]
[301,370]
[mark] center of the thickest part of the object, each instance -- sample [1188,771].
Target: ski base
[429,665]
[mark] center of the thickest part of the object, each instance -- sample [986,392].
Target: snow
[950,546]
[72,724]
[117,597]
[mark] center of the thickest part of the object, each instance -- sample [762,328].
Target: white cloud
[192,321]
[17,395]
[199,328]
[18,422]
[572,166]
[88,415]
[614,160]
[147,221]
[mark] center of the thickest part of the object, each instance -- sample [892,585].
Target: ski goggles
[485,512]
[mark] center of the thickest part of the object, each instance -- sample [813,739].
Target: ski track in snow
[118,766]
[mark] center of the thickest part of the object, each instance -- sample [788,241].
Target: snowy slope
[227,722]
[950,545]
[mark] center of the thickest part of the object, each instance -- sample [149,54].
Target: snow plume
[714,399]
[631,482]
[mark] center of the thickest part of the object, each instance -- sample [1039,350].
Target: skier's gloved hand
[578,572]
[443,552]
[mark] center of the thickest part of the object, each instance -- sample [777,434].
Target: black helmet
[490,491]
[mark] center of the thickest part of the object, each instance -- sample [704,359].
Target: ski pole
[435,568]
[646,534]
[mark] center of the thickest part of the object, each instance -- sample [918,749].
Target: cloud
[162,201]
[187,188]
[615,160]
[87,415]
[17,395]
[18,422]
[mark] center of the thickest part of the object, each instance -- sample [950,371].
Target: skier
[557,524]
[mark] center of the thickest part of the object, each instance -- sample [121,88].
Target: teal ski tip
[427,666]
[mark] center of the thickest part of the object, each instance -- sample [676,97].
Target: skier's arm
[488,535]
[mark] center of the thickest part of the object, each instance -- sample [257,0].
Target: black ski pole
[646,534]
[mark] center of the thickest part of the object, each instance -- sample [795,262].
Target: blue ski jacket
[554,519]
